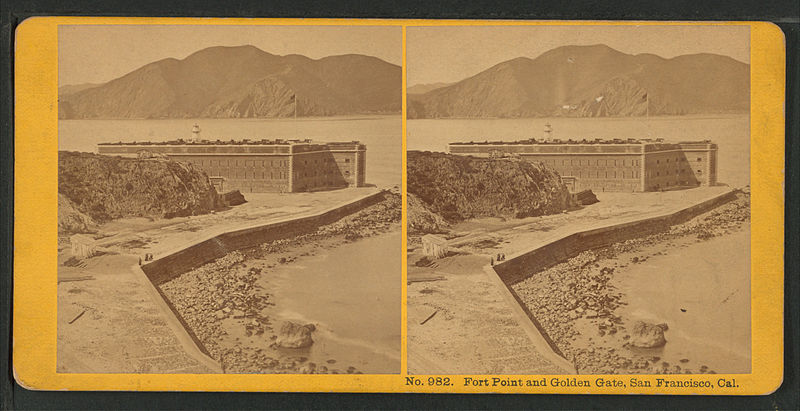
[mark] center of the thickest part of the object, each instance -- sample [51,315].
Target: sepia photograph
[578,200]
[229,199]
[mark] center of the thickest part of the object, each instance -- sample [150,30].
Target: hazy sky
[451,53]
[99,53]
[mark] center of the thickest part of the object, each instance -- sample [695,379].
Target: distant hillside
[593,81]
[461,187]
[74,88]
[424,88]
[233,82]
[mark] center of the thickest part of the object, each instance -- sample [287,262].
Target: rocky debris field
[225,305]
[577,307]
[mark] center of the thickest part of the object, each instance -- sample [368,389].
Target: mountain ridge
[423,88]
[242,82]
[592,81]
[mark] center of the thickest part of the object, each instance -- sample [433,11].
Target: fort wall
[317,171]
[599,172]
[668,169]
[248,174]
[702,162]
[262,166]
[612,165]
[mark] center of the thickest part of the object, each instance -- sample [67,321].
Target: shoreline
[582,308]
[122,328]
[227,304]
[471,314]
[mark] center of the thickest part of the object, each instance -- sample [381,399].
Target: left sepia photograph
[229,199]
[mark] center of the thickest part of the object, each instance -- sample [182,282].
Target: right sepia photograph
[578,199]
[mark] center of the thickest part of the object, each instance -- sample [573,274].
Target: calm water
[730,132]
[381,134]
[352,293]
[702,292]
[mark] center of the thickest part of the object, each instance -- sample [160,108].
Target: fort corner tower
[254,166]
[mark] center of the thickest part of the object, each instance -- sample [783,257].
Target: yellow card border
[36,211]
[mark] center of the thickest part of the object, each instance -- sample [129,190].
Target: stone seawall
[201,252]
[526,264]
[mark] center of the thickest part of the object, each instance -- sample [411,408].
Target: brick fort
[611,165]
[255,166]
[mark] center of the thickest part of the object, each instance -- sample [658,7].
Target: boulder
[232,198]
[646,335]
[293,335]
[585,197]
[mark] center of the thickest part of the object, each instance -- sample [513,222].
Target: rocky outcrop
[646,335]
[620,97]
[421,219]
[293,335]
[106,188]
[71,220]
[460,187]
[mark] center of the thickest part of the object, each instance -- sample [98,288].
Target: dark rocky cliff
[459,187]
[105,188]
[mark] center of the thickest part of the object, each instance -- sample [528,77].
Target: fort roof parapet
[231,142]
[596,141]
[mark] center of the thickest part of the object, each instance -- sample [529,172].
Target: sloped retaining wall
[170,266]
[526,264]
[188,340]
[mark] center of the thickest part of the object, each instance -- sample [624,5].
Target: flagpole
[295,116]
